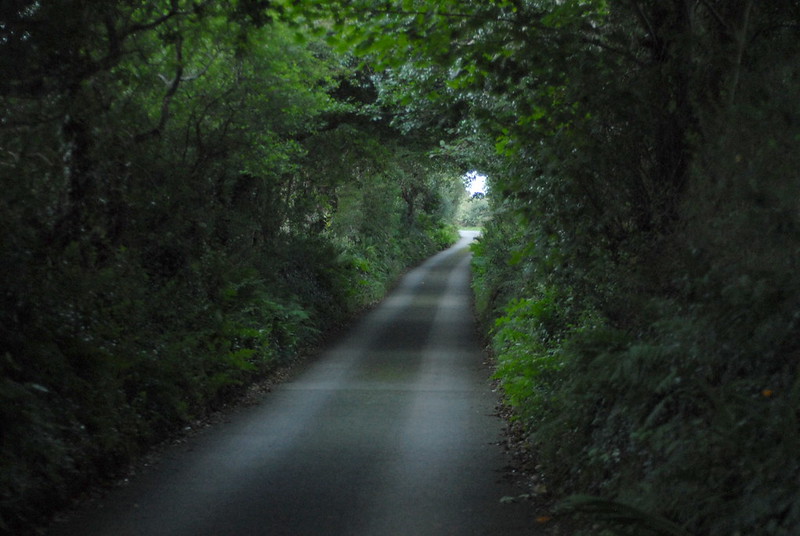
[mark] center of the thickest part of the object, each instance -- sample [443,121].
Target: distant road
[389,432]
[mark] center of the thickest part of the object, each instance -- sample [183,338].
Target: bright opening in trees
[475,182]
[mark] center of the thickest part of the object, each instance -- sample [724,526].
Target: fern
[622,514]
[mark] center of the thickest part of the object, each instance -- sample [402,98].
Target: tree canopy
[192,190]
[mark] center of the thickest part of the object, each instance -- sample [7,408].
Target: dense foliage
[641,264]
[191,193]
[192,189]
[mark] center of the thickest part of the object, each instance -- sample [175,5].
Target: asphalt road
[388,432]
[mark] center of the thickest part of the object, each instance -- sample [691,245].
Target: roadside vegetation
[639,274]
[192,191]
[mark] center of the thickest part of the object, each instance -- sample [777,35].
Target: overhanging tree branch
[167,99]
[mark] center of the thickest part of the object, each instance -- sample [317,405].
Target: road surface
[389,432]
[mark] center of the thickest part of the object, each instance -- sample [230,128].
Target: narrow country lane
[389,432]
